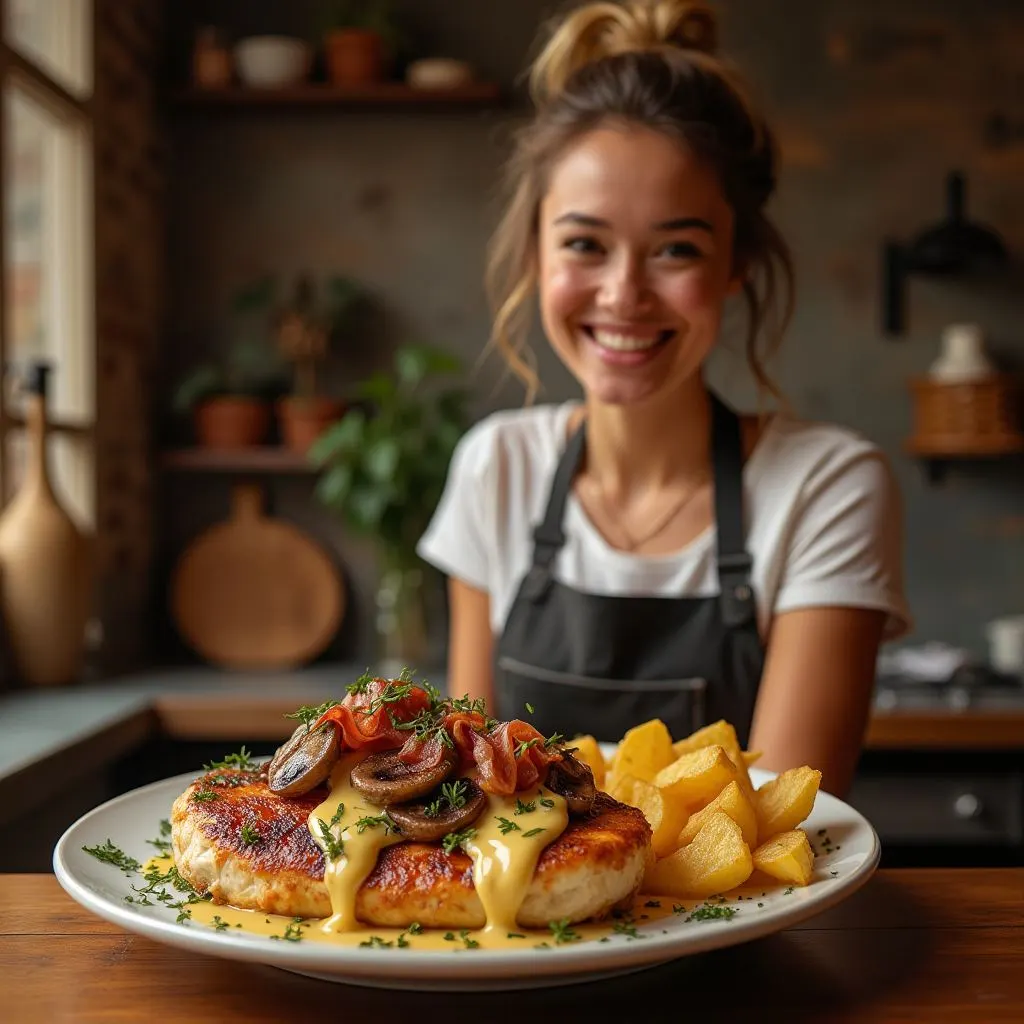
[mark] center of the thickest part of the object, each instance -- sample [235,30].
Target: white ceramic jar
[962,357]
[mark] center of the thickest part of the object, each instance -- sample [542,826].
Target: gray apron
[598,665]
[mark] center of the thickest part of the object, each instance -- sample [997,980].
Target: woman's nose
[625,290]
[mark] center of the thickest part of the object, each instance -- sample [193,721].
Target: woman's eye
[587,246]
[682,251]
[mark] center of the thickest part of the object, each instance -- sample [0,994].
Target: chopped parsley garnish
[415,928]
[547,802]
[249,834]
[527,808]
[626,928]
[361,685]
[202,796]
[562,932]
[505,826]
[376,942]
[533,832]
[523,747]
[163,841]
[713,913]
[333,846]
[553,740]
[111,854]
[292,932]
[467,941]
[515,935]
[451,842]
[372,821]
[529,707]
[309,713]
[242,761]
[219,923]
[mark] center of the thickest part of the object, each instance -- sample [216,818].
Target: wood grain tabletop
[943,945]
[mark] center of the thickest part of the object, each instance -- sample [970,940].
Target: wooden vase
[45,578]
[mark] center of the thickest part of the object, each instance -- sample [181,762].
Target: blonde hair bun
[604,29]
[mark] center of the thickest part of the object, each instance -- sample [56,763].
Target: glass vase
[401,619]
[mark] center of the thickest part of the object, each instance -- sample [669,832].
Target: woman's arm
[815,695]
[470,642]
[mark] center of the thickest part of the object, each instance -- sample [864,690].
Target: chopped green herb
[626,928]
[201,796]
[292,933]
[652,903]
[361,685]
[713,913]
[834,874]
[451,842]
[523,747]
[449,936]
[309,713]
[533,832]
[678,908]
[788,891]
[333,846]
[242,761]
[249,834]
[529,707]
[415,928]
[525,808]
[219,923]
[338,815]
[372,821]
[455,793]
[111,854]
[547,802]
[505,826]
[562,932]
[376,942]
[515,935]
[163,841]
[467,941]
[553,740]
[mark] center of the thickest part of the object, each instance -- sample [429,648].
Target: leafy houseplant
[228,398]
[359,38]
[303,331]
[383,471]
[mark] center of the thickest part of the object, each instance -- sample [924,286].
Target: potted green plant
[382,470]
[303,331]
[228,397]
[359,41]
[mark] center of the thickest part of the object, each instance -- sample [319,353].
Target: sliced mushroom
[304,761]
[574,782]
[414,822]
[383,779]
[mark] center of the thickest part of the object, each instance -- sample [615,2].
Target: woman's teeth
[627,342]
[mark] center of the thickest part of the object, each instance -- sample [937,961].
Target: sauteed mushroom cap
[304,761]
[384,779]
[447,809]
[574,781]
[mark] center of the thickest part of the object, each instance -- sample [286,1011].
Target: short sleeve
[461,530]
[846,542]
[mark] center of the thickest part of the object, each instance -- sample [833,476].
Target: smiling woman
[648,552]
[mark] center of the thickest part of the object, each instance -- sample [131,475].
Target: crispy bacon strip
[367,720]
[509,758]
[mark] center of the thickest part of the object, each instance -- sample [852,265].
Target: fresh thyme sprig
[562,932]
[375,820]
[163,842]
[505,826]
[525,808]
[451,842]
[309,713]
[242,761]
[111,854]
[333,846]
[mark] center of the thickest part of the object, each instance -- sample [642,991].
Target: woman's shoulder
[522,440]
[804,450]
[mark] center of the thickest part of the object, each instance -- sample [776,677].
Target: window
[46,218]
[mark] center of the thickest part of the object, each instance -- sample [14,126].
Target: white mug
[1006,644]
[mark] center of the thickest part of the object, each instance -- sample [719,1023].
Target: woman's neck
[650,444]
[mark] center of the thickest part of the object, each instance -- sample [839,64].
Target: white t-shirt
[822,511]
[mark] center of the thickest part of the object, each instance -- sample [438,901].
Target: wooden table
[912,946]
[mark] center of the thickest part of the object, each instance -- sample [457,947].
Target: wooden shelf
[382,94]
[262,459]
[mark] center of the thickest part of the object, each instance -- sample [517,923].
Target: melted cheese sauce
[509,837]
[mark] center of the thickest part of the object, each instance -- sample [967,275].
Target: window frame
[19,71]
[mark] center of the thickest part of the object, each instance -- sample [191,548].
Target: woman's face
[635,263]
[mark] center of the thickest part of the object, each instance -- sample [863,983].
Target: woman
[648,552]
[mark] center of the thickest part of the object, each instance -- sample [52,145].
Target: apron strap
[734,562]
[548,537]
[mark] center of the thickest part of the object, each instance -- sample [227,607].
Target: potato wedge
[786,801]
[734,802]
[723,734]
[697,778]
[623,788]
[644,750]
[665,815]
[787,856]
[716,861]
[752,757]
[589,752]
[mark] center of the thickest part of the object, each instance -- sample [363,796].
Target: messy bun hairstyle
[652,64]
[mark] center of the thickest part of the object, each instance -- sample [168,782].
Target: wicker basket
[980,417]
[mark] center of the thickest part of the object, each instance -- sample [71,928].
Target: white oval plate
[133,818]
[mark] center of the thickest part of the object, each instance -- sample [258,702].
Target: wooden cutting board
[255,592]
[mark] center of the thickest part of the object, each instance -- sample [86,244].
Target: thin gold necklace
[635,542]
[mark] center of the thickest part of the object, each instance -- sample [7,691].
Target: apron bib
[599,665]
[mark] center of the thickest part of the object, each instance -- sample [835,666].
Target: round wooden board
[255,592]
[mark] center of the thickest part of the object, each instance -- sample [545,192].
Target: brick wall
[129,189]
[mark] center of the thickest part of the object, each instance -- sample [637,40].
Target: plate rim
[347,963]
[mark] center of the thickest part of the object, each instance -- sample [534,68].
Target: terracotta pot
[354,56]
[232,422]
[303,420]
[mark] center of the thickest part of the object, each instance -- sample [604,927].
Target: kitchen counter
[911,946]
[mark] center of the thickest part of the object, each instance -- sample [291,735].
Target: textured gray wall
[873,102]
